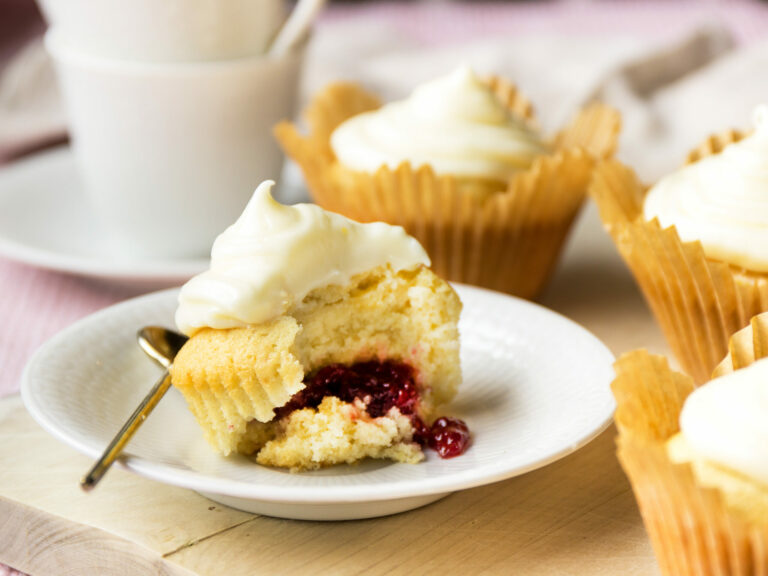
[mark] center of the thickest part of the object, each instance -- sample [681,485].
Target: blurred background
[638,55]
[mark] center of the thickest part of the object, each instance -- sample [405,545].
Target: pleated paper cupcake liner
[714,145]
[504,237]
[746,346]
[699,303]
[231,377]
[692,528]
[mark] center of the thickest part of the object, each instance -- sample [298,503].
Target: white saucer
[536,388]
[46,221]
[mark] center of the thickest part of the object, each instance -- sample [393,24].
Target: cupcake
[316,340]
[697,241]
[461,166]
[697,458]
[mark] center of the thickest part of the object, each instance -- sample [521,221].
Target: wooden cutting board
[576,516]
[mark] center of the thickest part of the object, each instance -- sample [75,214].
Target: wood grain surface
[576,516]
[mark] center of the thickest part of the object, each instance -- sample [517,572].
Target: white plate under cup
[170,153]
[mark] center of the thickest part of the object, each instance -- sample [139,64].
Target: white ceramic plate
[536,388]
[46,220]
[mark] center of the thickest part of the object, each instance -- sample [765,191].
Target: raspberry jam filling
[381,386]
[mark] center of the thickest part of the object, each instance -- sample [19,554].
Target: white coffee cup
[166,30]
[170,153]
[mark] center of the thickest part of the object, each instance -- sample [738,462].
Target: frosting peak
[725,421]
[721,200]
[274,255]
[460,96]
[455,124]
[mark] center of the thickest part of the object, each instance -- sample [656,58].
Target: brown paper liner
[714,145]
[746,346]
[504,236]
[699,303]
[692,529]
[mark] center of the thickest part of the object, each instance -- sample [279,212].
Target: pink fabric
[440,22]
[35,304]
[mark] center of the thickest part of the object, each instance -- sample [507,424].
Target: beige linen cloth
[671,93]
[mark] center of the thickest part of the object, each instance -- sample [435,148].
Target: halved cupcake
[316,340]
[697,458]
[697,242]
[461,165]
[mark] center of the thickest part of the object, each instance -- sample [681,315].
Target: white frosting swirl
[455,124]
[274,255]
[721,200]
[725,421]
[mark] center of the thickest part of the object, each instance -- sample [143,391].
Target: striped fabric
[441,21]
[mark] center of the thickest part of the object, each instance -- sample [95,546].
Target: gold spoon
[162,345]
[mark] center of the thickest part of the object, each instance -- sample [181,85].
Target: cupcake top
[721,200]
[455,124]
[274,255]
[725,421]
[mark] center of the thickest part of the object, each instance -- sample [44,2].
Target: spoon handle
[112,451]
[300,20]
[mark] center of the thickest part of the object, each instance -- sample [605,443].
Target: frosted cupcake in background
[697,458]
[461,166]
[456,125]
[697,242]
